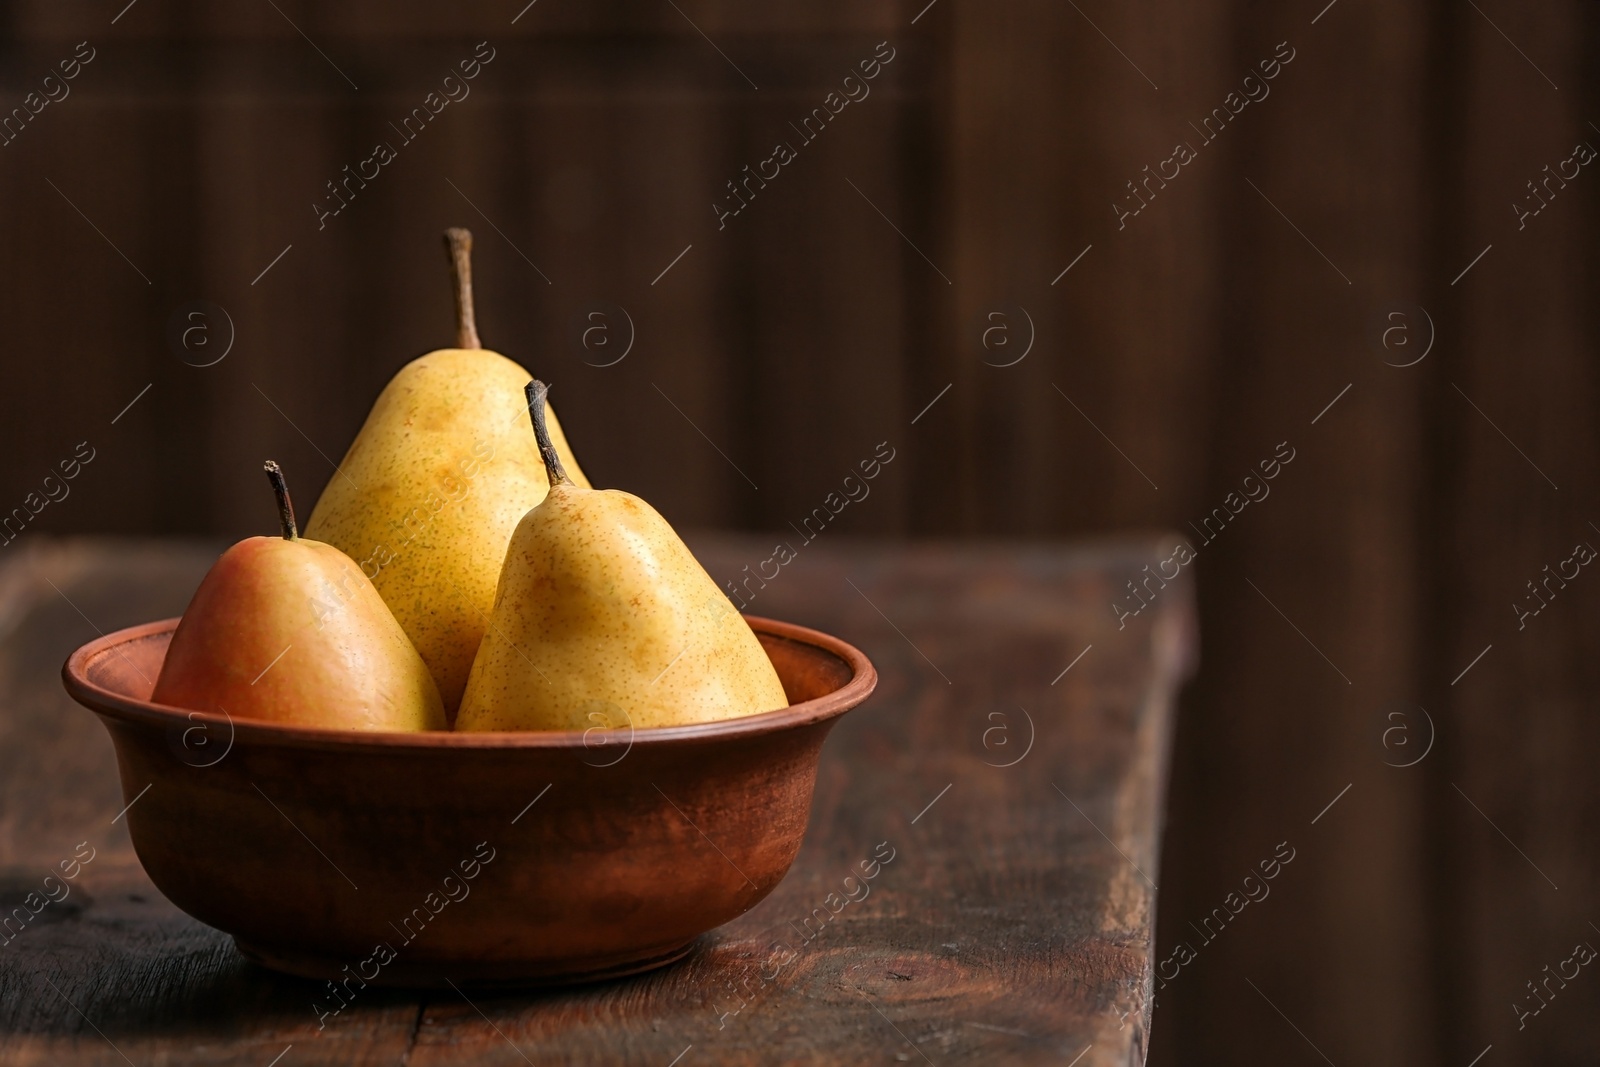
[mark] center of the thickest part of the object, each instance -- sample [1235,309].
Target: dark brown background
[1196,339]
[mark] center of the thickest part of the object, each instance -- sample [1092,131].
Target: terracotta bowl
[498,858]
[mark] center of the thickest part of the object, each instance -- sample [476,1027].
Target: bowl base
[480,974]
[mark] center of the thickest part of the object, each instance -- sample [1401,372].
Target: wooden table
[1013,758]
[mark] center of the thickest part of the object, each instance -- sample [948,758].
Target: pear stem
[458,244]
[536,391]
[285,506]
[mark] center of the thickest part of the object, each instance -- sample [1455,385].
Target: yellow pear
[285,629]
[605,618]
[427,497]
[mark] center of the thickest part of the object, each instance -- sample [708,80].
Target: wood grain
[1517,429]
[1014,920]
[1306,278]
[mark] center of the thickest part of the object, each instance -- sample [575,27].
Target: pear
[288,630]
[433,485]
[605,618]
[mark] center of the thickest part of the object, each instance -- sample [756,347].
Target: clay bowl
[491,858]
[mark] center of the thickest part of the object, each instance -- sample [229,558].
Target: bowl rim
[112,705]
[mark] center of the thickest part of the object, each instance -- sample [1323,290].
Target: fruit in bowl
[438,476]
[271,598]
[530,742]
[603,609]
[612,850]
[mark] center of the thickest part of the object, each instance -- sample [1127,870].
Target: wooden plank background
[1177,353]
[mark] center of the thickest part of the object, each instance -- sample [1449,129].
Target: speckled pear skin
[291,632]
[431,489]
[605,618]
